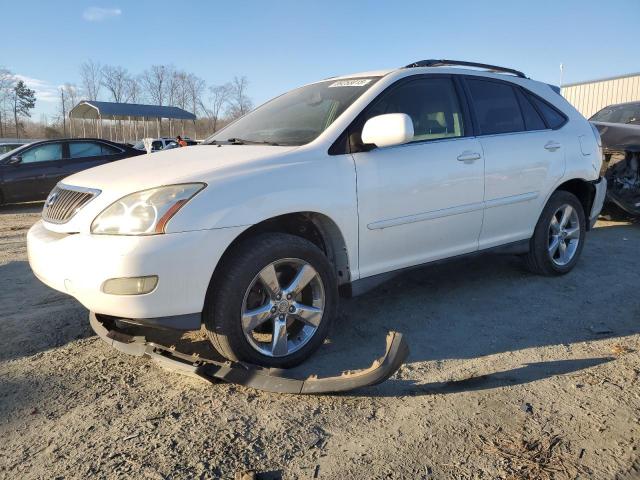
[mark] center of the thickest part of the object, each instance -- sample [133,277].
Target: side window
[84,149]
[496,107]
[432,104]
[532,119]
[43,153]
[553,118]
[156,145]
[108,149]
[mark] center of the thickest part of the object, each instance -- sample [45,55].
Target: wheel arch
[583,189]
[316,227]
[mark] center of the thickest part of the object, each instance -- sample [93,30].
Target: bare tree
[182,94]
[177,94]
[68,99]
[91,78]
[195,87]
[220,95]
[7,82]
[135,93]
[155,82]
[117,81]
[239,103]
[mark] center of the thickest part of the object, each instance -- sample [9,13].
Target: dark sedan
[619,127]
[30,172]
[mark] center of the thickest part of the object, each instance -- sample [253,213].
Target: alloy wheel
[564,235]
[283,307]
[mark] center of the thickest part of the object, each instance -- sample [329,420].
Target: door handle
[469,157]
[552,146]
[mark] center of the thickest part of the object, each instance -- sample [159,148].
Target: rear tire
[559,236]
[272,301]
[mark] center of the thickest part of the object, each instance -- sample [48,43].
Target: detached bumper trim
[270,380]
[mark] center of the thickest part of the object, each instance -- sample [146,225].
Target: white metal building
[589,97]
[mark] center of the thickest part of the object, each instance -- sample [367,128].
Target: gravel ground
[510,376]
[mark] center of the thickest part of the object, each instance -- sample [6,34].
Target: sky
[279,45]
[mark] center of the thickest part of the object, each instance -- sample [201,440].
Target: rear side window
[108,149]
[532,119]
[84,149]
[553,118]
[496,107]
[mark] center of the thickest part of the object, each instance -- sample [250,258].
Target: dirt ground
[510,376]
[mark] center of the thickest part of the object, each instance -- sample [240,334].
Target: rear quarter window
[532,119]
[552,116]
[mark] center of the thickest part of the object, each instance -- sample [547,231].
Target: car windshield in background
[297,117]
[11,153]
[7,147]
[619,114]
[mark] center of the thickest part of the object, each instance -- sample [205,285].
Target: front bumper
[598,200]
[78,264]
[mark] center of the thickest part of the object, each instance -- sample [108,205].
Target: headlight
[146,212]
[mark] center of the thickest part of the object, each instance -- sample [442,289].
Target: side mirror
[388,130]
[15,160]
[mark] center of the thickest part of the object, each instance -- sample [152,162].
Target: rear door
[86,154]
[523,157]
[36,174]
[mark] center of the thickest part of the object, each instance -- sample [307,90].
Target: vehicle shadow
[459,311]
[527,373]
[477,307]
[28,207]
[489,305]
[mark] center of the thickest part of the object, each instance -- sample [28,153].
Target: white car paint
[393,207]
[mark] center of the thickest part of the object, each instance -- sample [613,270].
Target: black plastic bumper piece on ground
[253,376]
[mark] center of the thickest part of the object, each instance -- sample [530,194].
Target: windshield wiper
[242,141]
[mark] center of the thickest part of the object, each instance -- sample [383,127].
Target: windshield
[297,117]
[11,153]
[619,114]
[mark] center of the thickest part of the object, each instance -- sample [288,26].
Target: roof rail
[443,63]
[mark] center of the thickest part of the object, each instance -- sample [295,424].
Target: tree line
[165,85]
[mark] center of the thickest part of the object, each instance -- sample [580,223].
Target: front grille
[64,202]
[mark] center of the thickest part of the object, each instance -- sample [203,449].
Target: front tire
[272,302]
[559,236]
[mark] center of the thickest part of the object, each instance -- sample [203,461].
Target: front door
[421,201]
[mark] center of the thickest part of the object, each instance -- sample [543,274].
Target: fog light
[130,286]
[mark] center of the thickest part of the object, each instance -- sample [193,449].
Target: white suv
[325,189]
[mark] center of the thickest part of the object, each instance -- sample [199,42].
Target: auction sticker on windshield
[361,82]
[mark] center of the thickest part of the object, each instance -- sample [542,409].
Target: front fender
[309,183]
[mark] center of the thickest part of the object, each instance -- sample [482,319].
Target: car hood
[202,163]
[618,135]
